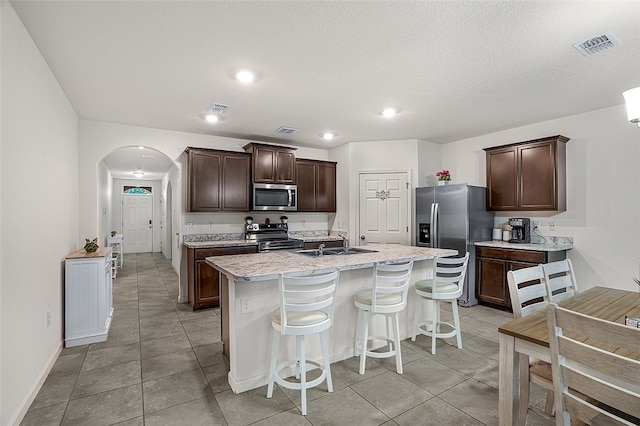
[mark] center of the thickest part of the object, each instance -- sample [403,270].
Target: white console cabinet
[88,297]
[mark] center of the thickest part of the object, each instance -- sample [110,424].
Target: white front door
[384,211]
[137,216]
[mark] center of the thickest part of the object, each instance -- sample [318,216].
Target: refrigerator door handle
[435,232]
[431,228]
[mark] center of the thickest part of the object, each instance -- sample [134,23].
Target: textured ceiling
[454,69]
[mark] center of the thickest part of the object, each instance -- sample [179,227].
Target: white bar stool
[445,286]
[387,297]
[116,245]
[306,307]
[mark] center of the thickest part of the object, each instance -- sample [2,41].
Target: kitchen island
[249,294]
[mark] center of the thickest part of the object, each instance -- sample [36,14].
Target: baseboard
[26,403]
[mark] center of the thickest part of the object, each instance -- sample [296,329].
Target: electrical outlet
[190,226]
[304,223]
[552,226]
[535,224]
[245,306]
[48,318]
[339,224]
[210,225]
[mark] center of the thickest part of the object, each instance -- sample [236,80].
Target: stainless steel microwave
[270,196]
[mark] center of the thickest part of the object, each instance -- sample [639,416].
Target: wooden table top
[606,303]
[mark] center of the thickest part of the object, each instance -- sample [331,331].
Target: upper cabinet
[527,176]
[217,180]
[316,185]
[272,164]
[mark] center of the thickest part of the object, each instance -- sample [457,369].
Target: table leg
[508,381]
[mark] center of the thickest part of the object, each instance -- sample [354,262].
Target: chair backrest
[605,386]
[528,290]
[389,279]
[307,293]
[560,279]
[450,270]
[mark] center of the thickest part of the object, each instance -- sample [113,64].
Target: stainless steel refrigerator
[454,217]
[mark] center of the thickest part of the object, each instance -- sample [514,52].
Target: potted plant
[284,219]
[444,177]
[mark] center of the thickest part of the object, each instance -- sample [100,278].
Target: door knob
[362,237]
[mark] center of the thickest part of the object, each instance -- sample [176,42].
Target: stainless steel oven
[272,236]
[269,196]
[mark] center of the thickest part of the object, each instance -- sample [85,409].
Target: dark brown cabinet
[527,176]
[272,164]
[492,265]
[218,180]
[203,280]
[316,185]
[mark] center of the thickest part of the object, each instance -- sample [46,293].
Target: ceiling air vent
[597,44]
[219,108]
[286,130]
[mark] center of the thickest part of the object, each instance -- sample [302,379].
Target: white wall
[39,198]
[602,190]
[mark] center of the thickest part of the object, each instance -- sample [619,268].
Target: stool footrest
[422,328]
[387,354]
[309,366]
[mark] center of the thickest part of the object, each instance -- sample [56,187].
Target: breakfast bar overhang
[249,294]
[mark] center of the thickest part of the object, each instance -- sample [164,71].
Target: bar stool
[445,286]
[306,307]
[387,297]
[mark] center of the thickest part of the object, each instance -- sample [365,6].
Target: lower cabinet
[492,265]
[88,298]
[203,280]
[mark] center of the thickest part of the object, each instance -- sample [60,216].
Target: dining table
[529,337]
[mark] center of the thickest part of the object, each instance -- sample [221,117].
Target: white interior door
[137,223]
[384,208]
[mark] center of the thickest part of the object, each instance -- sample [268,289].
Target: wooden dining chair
[560,280]
[592,384]
[528,293]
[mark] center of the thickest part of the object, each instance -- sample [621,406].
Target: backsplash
[192,238]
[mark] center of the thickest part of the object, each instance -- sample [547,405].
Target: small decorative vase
[443,182]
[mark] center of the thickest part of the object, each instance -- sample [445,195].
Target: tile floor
[163,365]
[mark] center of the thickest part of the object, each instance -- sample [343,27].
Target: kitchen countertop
[267,266]
[531,247]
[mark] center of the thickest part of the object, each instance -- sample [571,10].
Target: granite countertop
[531,247]
[267,266]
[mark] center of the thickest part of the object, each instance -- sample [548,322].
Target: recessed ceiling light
[138,173]
[211,118]
[245,76]
[328,136]
[388,112]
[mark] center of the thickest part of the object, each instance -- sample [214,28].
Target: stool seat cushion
[427,286]
[300,318]
[364,297]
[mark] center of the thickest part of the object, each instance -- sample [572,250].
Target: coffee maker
[520,230]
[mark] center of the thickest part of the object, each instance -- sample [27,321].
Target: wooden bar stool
[306,307]
[387,297]
[445,286]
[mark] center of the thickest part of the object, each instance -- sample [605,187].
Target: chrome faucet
[321,249]
[345,243]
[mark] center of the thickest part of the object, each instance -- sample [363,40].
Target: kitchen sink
[335,251]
